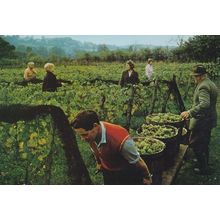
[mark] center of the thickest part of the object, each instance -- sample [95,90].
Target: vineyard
[37,143]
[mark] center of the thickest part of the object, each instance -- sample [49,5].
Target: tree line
[199,48]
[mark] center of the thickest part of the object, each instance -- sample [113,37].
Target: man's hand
[185,115]
[147,181]
[98,168]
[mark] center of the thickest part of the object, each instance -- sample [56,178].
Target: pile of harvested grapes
[149,146]
[163,118]
[158,131]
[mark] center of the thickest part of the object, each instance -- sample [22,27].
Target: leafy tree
[203,48]
[6,49]
[57,51]
[160,53]
[144,54]
[21,48]
[42,51]
[103,47]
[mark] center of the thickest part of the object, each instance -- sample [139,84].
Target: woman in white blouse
[149,69]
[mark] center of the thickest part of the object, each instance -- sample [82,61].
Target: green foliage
[32,153]
[202,48]
[199,48]
[72,98]
[6,49]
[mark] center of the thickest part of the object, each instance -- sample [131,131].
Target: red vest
[109,152]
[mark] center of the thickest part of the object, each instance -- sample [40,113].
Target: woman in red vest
[115,151]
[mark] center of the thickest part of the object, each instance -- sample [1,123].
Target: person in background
[203,117]
[115,151]
[129,76]
[50,82]
[30,73]
[149,69]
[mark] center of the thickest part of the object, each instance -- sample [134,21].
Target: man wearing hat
[203,117]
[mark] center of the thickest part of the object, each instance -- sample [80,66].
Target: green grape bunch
[164,118]
[149,146]
[158,131]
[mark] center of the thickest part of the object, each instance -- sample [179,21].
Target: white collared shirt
[130,72]
[103,135]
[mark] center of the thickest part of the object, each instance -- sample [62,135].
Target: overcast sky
[121,40]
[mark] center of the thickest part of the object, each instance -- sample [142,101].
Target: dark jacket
[125,79]
[50,83]
[203,113]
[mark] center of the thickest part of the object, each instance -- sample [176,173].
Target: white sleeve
[129,151]
[146,70]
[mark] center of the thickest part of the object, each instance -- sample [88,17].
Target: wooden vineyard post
[174,90]
[177,95]
[165,101]
[154,97]
[103,112]
[129,109]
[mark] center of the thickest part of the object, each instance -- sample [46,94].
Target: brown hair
[130,63]
[85,120]
[149,60]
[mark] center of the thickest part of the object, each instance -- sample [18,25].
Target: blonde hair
[49,67]
[30,64]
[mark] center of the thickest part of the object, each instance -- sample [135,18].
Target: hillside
[62,46]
